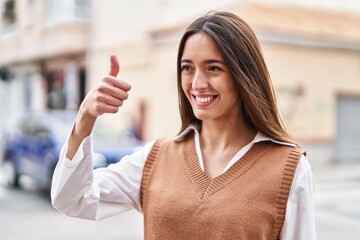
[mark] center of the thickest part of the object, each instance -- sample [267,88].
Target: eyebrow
[209,61]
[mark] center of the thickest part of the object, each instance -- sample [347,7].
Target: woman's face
[207,82]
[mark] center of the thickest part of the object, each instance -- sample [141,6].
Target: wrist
[84,124]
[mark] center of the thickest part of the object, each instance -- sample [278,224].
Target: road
[337,200]
[26,214]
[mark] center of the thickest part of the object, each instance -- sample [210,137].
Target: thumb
[114,65]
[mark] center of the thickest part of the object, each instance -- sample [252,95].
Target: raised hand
[108,95]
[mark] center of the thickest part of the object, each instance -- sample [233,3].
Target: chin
[202,116]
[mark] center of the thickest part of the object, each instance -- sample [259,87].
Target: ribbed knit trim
[283,195]
[148,168]
[206,186]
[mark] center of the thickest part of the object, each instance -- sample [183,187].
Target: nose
[199,81]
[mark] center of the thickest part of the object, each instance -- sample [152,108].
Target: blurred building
[51,52]
[43,46]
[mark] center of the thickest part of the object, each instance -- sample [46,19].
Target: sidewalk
[337,200]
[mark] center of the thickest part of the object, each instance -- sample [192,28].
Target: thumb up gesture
[108,95]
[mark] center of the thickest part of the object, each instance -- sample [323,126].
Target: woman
[233,172]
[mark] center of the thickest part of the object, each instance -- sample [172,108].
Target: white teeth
[204,99]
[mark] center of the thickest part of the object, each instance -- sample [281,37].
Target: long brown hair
[241,51]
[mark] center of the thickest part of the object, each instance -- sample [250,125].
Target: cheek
[185,85]
[235,97]
[231,91]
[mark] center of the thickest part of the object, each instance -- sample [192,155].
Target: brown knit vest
[248,201]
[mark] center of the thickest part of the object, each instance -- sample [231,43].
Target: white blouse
[79,191]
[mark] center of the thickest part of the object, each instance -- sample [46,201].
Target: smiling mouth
[204,99]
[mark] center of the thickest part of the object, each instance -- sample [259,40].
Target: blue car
[32,148]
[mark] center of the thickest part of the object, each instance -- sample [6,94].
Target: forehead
[200,45]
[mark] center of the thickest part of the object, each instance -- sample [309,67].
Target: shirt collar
[260,137]
[190,128]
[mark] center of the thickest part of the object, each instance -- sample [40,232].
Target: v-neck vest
[248,201]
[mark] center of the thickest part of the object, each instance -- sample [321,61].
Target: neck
[221,135]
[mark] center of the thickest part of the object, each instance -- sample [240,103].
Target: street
[26,213]
[337,199]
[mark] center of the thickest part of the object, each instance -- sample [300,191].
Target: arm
[299,221]
[79,191]
[73,176]
[106,97]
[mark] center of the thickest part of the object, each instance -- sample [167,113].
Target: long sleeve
[300,217]
[78,190]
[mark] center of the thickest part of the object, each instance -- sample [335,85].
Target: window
[8,15]
[82,9]
[60,11]
[30,13]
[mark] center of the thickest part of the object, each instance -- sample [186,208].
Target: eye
[186,68]
[214,69]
